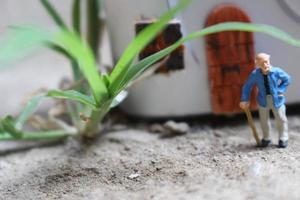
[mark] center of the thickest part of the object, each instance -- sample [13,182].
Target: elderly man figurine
[271,82]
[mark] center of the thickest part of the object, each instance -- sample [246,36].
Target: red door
[230,59]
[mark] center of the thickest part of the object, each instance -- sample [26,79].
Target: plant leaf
[135,70]
[75,67]
[27,39]
[141,40]
[73,95]
[33,103]
[59,50]
[80,51]
[21,41]
[1,128]
[76,16]
[13,127]
[119,98]
[28,110]
[43,135]
[52,12]
[93,25]
[77,76]
[8,126]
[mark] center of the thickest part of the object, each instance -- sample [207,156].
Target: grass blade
[135,70]
[139,43]
[76,16]
[75,96]
[8,126]
[119,98]
[93,25]
[80,51]
[43,135]
[249,27]
[29,109]
[76,19]
[52,12]
[75,67]
[33,103]
[76,71]
[21,41]
[1,129]
[25,40]
[59,50]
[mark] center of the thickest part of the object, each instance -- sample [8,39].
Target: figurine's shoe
[265,143]
[282,144]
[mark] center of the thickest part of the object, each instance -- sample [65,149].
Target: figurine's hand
[244,105]
[281,95]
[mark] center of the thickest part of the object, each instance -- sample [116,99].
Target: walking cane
[252,126]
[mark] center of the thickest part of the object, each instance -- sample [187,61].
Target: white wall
[186,92]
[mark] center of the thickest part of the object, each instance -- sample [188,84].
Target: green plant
[104,88]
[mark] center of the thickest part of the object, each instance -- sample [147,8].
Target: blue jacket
[278,81]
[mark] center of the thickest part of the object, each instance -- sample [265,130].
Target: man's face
[264,64]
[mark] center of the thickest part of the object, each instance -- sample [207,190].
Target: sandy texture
[207,163]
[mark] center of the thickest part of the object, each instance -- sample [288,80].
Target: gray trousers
[280,118]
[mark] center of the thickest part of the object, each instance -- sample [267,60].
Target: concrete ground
[212,161]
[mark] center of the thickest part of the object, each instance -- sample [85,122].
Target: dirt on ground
[131,162]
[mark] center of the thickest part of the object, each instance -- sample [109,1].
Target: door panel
[230,59]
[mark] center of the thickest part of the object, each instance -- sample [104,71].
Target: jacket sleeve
[285,80]
[246,91]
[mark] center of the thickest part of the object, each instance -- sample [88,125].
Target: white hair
[262,55]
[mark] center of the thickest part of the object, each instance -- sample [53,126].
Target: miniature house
[207,74]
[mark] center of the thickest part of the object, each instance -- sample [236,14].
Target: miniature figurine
[271,82]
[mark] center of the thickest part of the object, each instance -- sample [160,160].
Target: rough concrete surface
[209,162]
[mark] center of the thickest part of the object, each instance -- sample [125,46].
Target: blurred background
[42,69]
[45,69]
